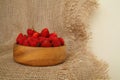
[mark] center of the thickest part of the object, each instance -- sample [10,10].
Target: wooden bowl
[39,56]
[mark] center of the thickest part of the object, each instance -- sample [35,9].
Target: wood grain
[39,56]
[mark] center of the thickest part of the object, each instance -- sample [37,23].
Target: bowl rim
[38,47]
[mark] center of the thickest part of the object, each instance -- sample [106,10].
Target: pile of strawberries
[39,39]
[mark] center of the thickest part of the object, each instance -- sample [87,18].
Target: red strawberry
[45,32]
[41,39]
[52,38]
[33,41]
[46,43]
[61,41]
[25,36]
[55,42]
[26,43]
[36,35]
[30,32]
[53,35]
[21,38]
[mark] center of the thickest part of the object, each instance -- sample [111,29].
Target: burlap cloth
[69,18]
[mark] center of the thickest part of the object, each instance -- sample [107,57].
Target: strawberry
[45,32]
[41,39]
[53,35]
[55,42]
[30,32]
[61,41]
[21,38]
[46,43]
[26,43]
[24,37]
[36,35]
[33,41]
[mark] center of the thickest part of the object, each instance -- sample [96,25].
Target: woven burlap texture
[69,18]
